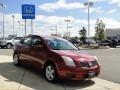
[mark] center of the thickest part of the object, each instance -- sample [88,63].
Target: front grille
[88,64]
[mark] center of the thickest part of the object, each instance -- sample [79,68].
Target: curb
[107,84]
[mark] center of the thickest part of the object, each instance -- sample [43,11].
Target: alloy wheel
[50,73]
[16,60]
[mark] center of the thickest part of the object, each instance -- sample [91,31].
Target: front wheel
[50,72]
[16,60]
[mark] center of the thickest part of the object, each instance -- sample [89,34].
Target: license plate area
[91,74]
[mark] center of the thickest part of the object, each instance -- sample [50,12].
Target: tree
[100,30]
[82,34]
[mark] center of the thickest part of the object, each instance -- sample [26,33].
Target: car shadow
[34,79]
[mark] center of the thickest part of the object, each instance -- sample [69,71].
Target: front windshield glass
[9,38]
[60,44]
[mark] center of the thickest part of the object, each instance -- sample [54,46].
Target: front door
[38,52]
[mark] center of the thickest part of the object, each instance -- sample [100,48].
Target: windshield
[9,38]
[60,44]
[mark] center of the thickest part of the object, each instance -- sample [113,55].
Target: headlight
[97,60]
[68,61]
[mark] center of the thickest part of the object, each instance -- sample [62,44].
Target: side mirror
[37,43]
[37,47]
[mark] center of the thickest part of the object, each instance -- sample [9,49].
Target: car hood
[5,40]
[76,55]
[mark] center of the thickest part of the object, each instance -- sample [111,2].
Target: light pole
[32,26]
[69,32]
[56,29]
[88,4]
[19,27]
[22,29]
[25,26]
[13,24]
[67,21]
[3,6]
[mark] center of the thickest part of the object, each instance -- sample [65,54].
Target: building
[113,33]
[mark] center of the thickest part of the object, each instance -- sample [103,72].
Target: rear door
[25,49]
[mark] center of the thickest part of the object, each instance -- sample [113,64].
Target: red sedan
[56,57]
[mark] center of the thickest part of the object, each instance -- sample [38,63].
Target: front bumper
[74,73]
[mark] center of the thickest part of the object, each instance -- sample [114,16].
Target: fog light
[71,75]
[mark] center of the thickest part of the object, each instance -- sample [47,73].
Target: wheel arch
[50,62]
[9,43]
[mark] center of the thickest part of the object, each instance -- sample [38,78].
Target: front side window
[36,41]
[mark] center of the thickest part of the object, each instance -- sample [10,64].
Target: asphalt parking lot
[110,63]
[108,58]
[25,78]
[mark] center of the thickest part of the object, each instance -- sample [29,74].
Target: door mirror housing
[37,43]
[37,46]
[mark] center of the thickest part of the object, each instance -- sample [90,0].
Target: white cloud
[109,1]
[97,0]
[111,23]
[92,9]
[114,2]
[61,4]
[44,24]
[112,11]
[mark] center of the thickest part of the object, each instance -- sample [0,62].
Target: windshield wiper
[56,49]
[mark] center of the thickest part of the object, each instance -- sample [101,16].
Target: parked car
[111,43]
[9,42]
[90,42]
[75,41]
[105,43]
[56,57]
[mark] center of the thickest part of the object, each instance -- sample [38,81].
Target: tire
[110,45]
[9,45]
[50,72]
[16,60]
[2,46]
[114,46]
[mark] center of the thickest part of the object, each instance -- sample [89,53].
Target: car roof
[45,36]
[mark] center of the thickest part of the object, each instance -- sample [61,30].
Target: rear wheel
[16,60]
[9,45]
[50,72]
